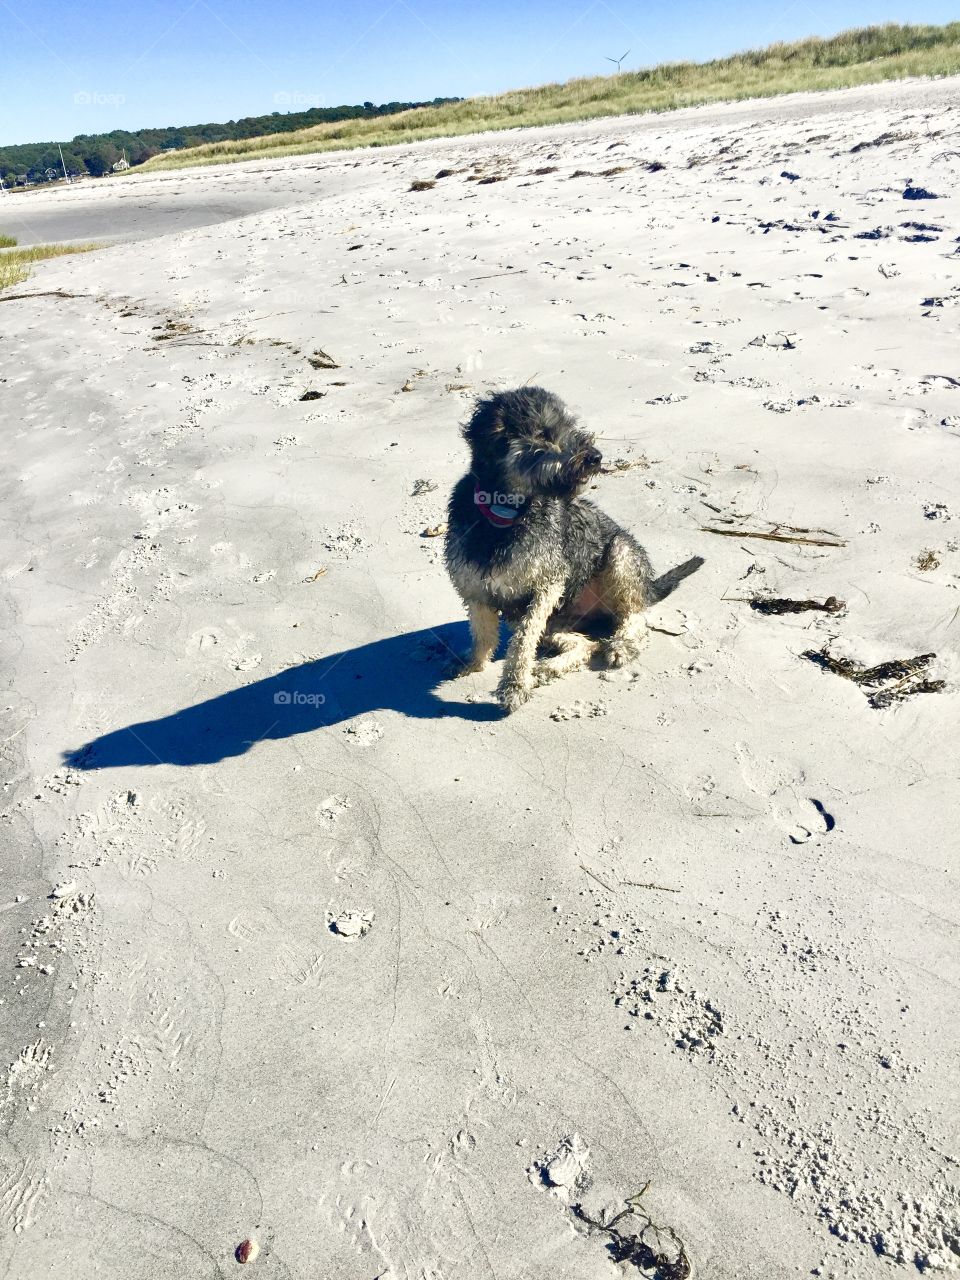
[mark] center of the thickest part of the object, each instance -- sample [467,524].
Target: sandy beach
[308,946]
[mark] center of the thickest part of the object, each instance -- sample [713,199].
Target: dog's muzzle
[584,466]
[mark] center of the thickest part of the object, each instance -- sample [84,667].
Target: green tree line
[97,153]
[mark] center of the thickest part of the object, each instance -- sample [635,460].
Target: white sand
[369,974]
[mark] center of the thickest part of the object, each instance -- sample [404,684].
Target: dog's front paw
[512,694]
[622,650]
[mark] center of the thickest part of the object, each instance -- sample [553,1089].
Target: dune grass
[862,56]
[7,242]
[15,263]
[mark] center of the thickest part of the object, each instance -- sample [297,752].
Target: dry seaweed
[905,672]
[625,464]
[174,329]
[663,1256]
[894,669]
[884,140]
[600,173]
[904,689]
[771,604]
[320,360]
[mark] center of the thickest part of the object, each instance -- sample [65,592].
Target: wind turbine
[617,60]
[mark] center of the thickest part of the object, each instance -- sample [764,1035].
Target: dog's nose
[593,458]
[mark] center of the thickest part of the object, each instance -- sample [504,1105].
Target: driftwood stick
[42,293]
[771,537]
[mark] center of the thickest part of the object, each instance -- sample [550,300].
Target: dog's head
[531,443]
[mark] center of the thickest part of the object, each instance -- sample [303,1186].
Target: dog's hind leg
[625,590]
[484,632]
[517,680]
[572,650]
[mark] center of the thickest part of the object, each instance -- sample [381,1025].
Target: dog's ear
[485,423]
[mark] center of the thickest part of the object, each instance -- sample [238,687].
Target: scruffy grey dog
[523,545]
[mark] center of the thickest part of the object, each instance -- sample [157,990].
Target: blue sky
[69,69]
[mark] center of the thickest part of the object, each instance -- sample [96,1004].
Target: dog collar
[499,514]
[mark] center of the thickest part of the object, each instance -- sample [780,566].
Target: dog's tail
[668,582]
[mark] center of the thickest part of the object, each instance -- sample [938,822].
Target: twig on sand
[648,884]
[634,884]
[187,342]
[521,271]
[772,537]
[593,876]
[15,733]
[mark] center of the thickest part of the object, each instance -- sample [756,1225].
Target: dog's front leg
[517,682]
[484,633]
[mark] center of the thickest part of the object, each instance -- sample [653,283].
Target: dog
[523,545]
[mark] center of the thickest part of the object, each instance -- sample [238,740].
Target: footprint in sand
[332,808]
[296,961]
[365,733]
[803,818]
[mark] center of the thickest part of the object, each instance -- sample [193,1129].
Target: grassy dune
[862,56]
[15,263]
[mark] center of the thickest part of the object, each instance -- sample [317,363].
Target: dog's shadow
[400,673]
